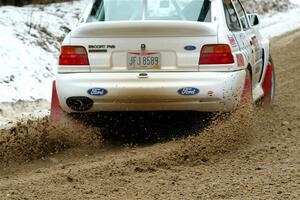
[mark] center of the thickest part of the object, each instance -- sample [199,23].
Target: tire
[269,85]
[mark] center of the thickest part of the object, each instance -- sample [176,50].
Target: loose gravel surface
[250,154]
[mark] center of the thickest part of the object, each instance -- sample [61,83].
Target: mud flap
[56,112]
[267,84]
[246,97]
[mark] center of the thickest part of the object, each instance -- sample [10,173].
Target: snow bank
[12,112]
[29,43]
[265,6]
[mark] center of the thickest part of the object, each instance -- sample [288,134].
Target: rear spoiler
[144,28]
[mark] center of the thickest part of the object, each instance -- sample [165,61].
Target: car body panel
[179,44]
[156,91]
[173,55]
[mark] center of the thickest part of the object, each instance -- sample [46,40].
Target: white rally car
[157,55]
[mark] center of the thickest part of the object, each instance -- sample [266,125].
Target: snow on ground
[29,44]
[12,112]
[274,24]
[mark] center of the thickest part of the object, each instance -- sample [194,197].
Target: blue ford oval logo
[190,47]
[97,92]
[188,91]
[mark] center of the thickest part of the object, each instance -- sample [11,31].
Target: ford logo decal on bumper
[190,48]
[97,92]
[188,91]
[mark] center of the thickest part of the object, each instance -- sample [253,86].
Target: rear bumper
[218,91]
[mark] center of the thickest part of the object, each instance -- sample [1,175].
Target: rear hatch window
[134,10]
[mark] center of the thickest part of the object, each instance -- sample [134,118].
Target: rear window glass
[130,10]
[231,16]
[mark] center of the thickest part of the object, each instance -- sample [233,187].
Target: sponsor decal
[97,92]
[254,41]
[188,91]
[100,48]
[246,55]
[109,46]
[244,40]
[257,48]
[232,41]
[190,48]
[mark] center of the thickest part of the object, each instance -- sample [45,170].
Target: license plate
[143,60]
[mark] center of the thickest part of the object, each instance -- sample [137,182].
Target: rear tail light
[216,54]
[73,55]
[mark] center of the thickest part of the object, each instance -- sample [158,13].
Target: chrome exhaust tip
[80,103]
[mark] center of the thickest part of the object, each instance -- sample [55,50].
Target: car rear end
[139,55]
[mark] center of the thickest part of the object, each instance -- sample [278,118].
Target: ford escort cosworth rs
[157,55]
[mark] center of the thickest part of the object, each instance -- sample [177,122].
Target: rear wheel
[268,85]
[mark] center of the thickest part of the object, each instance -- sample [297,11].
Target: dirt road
[247,155]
